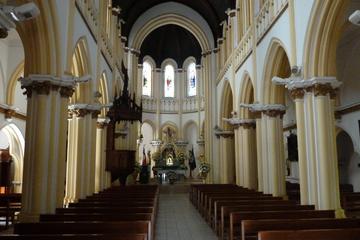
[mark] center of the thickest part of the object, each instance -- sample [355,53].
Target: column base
[340,213]
[29,218]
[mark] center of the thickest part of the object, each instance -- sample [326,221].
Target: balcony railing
[170,105]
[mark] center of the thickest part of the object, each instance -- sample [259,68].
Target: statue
[126,78]
[169,134]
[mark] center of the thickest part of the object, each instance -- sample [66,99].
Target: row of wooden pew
[117,213]
[10,204]
[239,213]
[350,200]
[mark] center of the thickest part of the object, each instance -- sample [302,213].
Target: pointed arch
[103,90]
[81,66]
[227,103]
[246,96]
[278,65]
[324,31]
[40,38]
[10,91]
[189,123]
[16,147]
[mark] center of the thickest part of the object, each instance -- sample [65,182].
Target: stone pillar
[259,155]
[45,150]
[100,163]
[328,172]
[320,141]
[249,154]
[227,158]
[298,96]
[275,151]
[80,179]
[272,147]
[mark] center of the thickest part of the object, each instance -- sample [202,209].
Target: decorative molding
[201,142]
[81,110]
[11,112]
[181,143]
[156,143]
[42,84]
[271,110]
[223,133]
[237,122]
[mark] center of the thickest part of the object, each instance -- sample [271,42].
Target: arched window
[192,80]
[147,73]
[169,85]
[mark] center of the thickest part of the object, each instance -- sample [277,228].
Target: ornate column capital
[271,110]
[223,133]
[81,110]
[297,93]
[237,122]
[43,84]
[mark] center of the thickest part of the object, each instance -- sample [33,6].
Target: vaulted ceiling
[213,11]
[170,41]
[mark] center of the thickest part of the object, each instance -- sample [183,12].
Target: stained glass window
[192,81]
[169,90]
[146,87]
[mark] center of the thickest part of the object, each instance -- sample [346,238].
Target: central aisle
[178,219]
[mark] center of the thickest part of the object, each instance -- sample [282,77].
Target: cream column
[100,166]
[326,157]
[249,148]
[237,155]
[275,153]
[226,158]
[80,181]
[44,160]
[298,96]
[259,155]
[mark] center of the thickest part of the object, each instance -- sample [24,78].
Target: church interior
[180,119]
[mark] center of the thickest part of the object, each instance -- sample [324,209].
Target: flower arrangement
[204,167]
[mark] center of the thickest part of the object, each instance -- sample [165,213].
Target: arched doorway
[12,140]
[345,152]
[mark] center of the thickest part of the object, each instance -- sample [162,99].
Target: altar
[170,159]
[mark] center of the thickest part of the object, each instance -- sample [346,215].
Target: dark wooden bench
[112,204]
[78,217]
[104,210]
[133,227]
[233,203]
[122,236]
[210,206]
[237,217]
[9,205]
[319,234]
[251,228]
[227,210]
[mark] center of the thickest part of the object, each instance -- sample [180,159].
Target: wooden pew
[322,234]
[195,188]
[112,204]
[78,217]
[209,207]
[237,217]
[227,210]
[133,227]
[9,205]
[122,236]
[209,199]
[233,203]
[251,228]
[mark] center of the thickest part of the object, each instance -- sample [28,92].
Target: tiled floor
[179,220]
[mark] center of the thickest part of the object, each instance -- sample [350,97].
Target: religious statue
[169,134]
[126,78]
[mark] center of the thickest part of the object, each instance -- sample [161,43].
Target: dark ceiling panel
[170,41]
[213,11]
